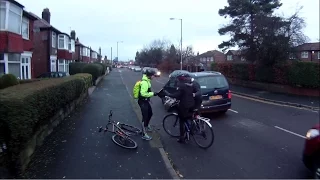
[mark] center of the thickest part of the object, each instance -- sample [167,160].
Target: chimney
[77,40]
[46,15]
[73,35]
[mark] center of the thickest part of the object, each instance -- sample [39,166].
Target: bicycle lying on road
[197,126]
[122,133]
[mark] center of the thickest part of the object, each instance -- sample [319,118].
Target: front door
[25,67]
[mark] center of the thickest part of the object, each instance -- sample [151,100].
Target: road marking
[272,103]
[233,111]
[290,132]
[125,84]
[160,82]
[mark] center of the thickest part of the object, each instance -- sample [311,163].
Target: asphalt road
[252,140]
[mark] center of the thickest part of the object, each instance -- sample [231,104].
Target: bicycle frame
[115,128]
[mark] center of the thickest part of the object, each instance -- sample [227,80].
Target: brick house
[209,57]
[94,56]
[306,52]
[16,37]
[235,56]
[53,49]
[82,53]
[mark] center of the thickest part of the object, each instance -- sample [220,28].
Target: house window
[54,40]
[14,60]
[229,58]
[53,65]
[318,54]
[3,15]
[69,44]
[304,54]
[81,50]
[61,65]
[88,52]
[15,16]
[291,56]
[61,43]
[67,66]
[84,53]
[25,28]
[211,59]
[73,46]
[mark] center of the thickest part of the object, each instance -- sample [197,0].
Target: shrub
[76,67]
[94,69]
[300,74]
[103,68]
[87,79]
[26,106]
[24,81]
[8,80]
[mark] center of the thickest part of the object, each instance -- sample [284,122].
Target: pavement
[75,150]
[312,102]
[253,139]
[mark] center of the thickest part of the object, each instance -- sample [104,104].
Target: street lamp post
[117,49]
[180,42]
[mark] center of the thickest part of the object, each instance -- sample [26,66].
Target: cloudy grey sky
[101,23]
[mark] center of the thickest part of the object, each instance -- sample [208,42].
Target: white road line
[160,82]
[233,111]
[290,132]
[125,84]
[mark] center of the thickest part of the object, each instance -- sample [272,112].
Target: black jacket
[198,94]
[184,93]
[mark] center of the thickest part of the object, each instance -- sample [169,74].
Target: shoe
[149,129]
[182,141]
[146,137]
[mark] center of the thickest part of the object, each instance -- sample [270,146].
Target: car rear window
[211,82]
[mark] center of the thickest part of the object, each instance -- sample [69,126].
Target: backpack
[136,89]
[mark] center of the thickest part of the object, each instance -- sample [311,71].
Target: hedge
[24,107]
[87,79]
[95,69]
[298,74]
[8,80]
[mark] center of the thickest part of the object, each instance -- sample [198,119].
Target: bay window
[84,53]
[25,28]
[88,52]
[73,48]
[15,16]
[304,54]
[69,44]
[81,50]
[54,39]
[61,65]
[10,17]
[63,41]
[3,12]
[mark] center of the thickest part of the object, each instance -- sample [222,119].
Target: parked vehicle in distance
[311,152]
[54,75]
[137,69]
[144,69]
[216,95]
[158,73]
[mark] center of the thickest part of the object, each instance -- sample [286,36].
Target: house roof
[309,47]
[210,54]
[43,24]
[16,3]
[29,16]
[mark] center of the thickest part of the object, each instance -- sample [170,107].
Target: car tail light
[229,94]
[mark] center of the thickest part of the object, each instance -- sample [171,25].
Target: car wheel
[223,112]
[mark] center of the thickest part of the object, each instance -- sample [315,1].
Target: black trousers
[146,111]
[184,115]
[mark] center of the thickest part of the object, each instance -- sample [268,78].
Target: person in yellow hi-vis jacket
[143,101]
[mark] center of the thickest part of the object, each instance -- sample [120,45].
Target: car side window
[171,83]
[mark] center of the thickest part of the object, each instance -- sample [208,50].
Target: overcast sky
[101,23]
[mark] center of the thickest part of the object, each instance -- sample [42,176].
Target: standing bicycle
[198,127]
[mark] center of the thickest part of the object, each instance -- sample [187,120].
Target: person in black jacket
[197,94]
[185,93]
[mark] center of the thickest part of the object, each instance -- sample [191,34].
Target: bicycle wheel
[130,129]
[127,142]
[171,125]
[204,132]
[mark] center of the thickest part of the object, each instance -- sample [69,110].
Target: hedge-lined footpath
[296,74]
[28,113]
